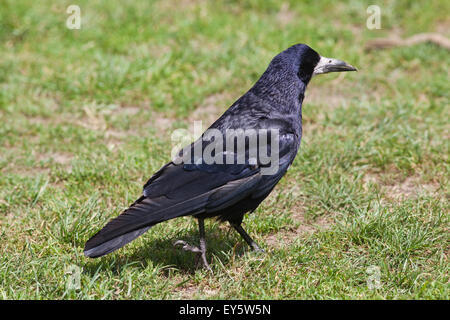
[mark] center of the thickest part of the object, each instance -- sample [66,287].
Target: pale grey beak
[327,65]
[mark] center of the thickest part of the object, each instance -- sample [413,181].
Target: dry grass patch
[211,108]
[162,125]
[397,188]
[330,96]
[304,227]
[285,15]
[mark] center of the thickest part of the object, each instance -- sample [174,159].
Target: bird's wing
[226,183]
[288,146]
[174,191]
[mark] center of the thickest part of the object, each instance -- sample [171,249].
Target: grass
[87,114]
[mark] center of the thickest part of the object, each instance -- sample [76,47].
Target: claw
[258,249]
[186,246]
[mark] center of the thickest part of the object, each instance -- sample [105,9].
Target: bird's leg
[247,238]
[202,249]
[201,229]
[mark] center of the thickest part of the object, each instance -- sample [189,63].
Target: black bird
[226,191]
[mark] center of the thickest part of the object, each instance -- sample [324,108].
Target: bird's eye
[329,61]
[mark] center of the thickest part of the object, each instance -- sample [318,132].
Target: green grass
[86,117]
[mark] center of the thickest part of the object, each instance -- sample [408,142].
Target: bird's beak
[327,65]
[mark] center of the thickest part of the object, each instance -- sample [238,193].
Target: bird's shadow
[222,247]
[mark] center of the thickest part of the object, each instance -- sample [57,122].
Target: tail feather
[137,219]
[113,244]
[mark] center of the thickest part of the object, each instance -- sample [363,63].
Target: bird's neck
[285,94]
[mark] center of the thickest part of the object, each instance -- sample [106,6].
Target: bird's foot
[257,248]
[187,247]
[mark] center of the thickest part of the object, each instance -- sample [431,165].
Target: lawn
[87,116]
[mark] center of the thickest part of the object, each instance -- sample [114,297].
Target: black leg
[202,249]
[201,229]
[247,238]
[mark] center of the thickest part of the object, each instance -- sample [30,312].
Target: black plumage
[226,191]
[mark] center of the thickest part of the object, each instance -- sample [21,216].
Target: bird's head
[309,63]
